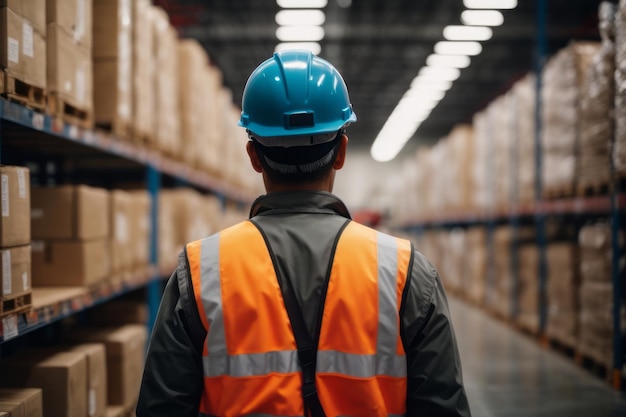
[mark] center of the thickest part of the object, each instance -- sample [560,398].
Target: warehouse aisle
[507,374]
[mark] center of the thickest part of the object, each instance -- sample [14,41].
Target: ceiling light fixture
[302,4]
[423,83]
[467,33]
[300,17]
[300,33]
[482,18]
[490,4]
[450,61]
[314,47]
[458,48]
[440,74]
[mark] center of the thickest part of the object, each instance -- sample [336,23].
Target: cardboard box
[70,212]
[69,69]
[96,377]
[143,69]
[15,206]
[140,227]
[115,411]
[27,402]
[34,11]
[125,347]
[70,263]
[121,241]
[16,270]
[22,48]
[112,53]
[74,17]
[61,377]
[112,30]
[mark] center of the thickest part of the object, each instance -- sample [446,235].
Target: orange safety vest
[250,358]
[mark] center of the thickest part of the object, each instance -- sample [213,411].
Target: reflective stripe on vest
[234,359]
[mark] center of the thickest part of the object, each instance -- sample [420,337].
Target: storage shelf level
[104,142]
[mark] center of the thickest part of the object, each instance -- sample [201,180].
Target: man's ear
[254,157]
[341,152]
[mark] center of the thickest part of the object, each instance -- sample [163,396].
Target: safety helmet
[294,99]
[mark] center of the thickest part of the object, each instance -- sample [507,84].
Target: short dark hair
[299,163]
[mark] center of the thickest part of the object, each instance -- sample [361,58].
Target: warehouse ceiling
[379,46]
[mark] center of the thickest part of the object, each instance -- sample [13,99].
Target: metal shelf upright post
[153,177]
[540,220]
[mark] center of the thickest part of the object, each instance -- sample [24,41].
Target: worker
[300,311]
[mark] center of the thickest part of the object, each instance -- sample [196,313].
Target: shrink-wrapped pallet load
[192,62]
[562,293]
[523,140]
[112,65]
[166,108]
[502,296]
[482,173]
[477,264]
[563,79]
[528,288]
[462,151]
[597,107]
[143,70]
[619,148]
[595,339]
[500,119]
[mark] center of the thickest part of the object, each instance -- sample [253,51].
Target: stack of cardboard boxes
[25,402]
[70,227]
[112,65]
[69,67]
[23,50]
[15,249]
[143,70]
[98,374]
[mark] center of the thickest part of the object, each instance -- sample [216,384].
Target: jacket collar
[320,202]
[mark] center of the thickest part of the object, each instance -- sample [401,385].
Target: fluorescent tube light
[458,48]
[450,61]
[441,74]
[467,33]
[302,4]
[490,4]
[423,83]
[482,18]
[300,18]
[300,33]
[314,47]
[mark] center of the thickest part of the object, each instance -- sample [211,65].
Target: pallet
[61,108]
[14,89]
[16,304]
[118,128]
[592,189]
[554,193]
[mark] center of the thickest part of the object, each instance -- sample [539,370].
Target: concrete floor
[508,374]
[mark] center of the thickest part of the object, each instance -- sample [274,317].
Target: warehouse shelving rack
[611,205]
[98,154]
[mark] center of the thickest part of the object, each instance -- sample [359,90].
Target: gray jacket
[301,228]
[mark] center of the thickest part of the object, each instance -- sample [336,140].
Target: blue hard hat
[295,93]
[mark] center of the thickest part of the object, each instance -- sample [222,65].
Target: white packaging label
[9,327]
[27,40]
[6,272]
[21,183]
[79,30]
[121,228]
[81,91]
[14,50]
[4,184]
[25,281]
[92,402]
